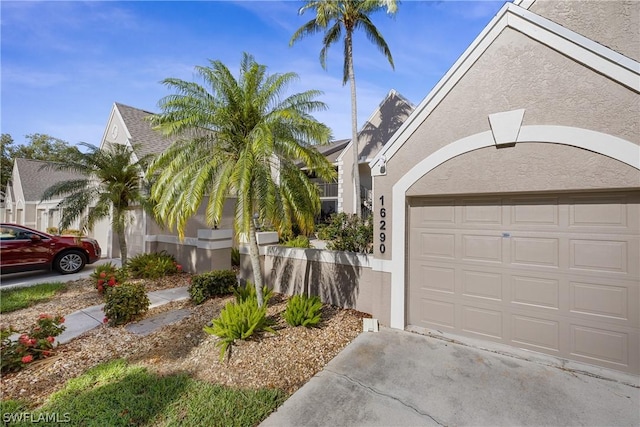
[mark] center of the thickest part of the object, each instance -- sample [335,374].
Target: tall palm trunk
[354,125]
[120,232]
[254,255]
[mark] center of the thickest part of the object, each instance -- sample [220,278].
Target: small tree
[241,138]
[111,184]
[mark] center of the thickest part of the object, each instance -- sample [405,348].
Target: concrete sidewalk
[88,318]
[397,378]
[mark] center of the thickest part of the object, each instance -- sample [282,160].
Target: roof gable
[36,177]
[383,122]
[621,69]
[139,130]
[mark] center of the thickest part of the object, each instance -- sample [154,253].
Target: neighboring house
[203,248]
[507,206]
[23,201]
[329,190]
[130,126]
[374,134]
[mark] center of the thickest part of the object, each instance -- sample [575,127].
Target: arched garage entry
[551,272]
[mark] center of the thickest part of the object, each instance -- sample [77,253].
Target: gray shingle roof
[333,150]
[139,126]
[36,178]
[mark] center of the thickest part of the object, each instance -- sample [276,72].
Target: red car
[23,249]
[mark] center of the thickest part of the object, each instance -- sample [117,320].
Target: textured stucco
[516,72]
[374,134]
[192,259]
[342,283]
[526,167]
[614,24]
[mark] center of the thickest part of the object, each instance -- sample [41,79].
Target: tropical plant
[248,291]
[238,321]
[111,184]
[35,344]
[303,310]
[240,138]
[153,265]
[235,257]
[297,242]
[332,18]
[108,275]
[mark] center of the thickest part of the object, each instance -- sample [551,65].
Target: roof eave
[612,64]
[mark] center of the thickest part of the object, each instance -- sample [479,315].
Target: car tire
[70,262]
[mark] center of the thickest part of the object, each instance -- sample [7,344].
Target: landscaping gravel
[285,360]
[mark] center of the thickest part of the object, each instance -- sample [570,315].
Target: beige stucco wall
[193,259]
[517,72]
[337,277]
[374,134]
[345,182]
[196,222]
[526,167]
[614,24]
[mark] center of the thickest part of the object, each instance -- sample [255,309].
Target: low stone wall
[343,279]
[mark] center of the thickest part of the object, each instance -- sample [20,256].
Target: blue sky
[64,63]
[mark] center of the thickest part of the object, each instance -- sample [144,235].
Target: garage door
[557,274]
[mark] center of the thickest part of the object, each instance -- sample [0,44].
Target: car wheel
[70,262]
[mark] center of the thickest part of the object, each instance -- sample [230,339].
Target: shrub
[348,233]
[303,311]
[248,291]
[213,283]
[298,242]
[238,321]
[153,265]
[37,343]
[124,303]
[235,257]
[107,276]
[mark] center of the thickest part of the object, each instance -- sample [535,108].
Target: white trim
[607,145]
[506,126]
[321,255]
[525,4]
[601,59]
[189,241]
[383,265]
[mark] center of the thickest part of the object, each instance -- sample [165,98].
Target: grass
[116,393]
[19,298]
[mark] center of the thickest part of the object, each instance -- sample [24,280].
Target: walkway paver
[81,321]
[151,324]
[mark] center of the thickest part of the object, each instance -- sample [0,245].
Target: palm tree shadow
[391,113]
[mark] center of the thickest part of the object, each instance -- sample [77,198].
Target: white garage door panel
[558,274]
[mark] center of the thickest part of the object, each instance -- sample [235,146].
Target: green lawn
[118,394]
[19,298]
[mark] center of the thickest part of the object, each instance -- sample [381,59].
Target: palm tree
[333,17]
[242,139]
[111,184]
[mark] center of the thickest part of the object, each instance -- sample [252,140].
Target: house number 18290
[383,225]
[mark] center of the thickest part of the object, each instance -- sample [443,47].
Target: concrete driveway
[16,280]
[397,378]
